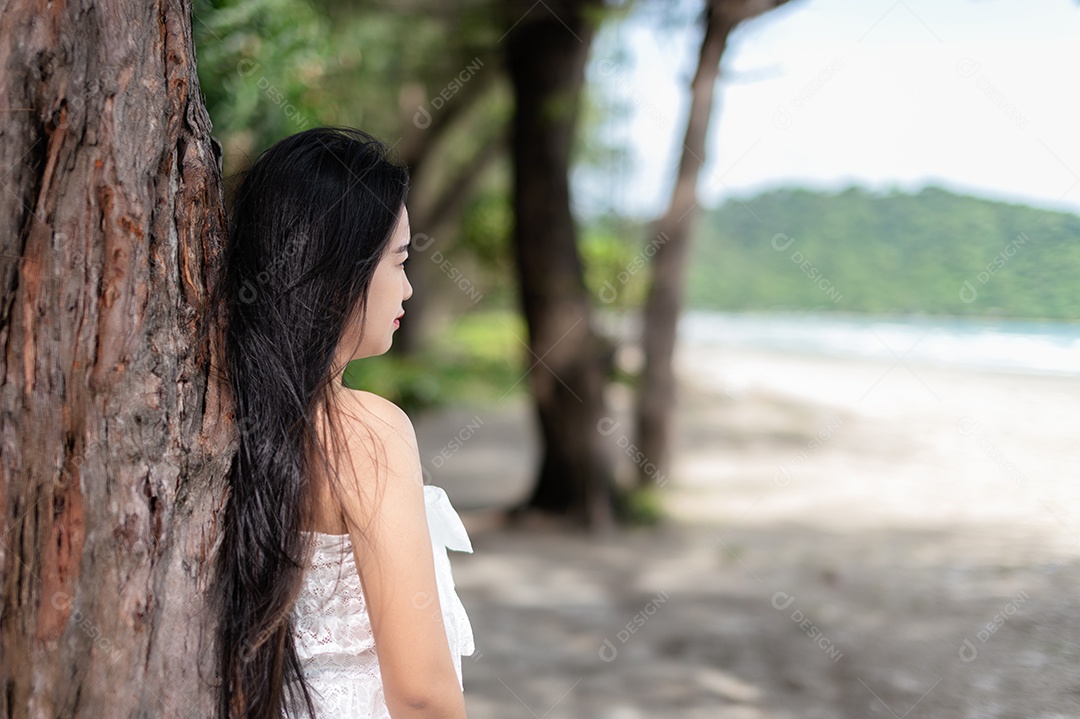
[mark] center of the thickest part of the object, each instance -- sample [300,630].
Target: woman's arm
[383,503]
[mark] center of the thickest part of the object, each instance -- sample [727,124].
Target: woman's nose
[408,289]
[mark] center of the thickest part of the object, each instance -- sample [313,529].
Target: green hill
[855,251]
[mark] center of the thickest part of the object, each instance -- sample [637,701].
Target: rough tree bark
[656,392]
[111,465]
[546,53]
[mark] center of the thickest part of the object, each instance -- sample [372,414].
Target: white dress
[333,631]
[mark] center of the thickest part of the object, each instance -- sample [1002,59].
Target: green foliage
[260,63]
[931,252]
[398,59]
[271,68]
[616,262]
[478,359]
[488,222]
[641,506]
[486,226]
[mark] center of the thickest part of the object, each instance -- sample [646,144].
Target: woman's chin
[374,351]
[385,347]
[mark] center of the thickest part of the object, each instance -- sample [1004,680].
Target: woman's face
[389,289]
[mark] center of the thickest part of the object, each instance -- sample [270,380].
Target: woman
[333,593]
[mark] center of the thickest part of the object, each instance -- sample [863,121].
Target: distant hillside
[855,251]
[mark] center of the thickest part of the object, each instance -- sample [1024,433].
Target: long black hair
[310,222]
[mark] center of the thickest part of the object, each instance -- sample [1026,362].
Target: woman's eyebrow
[403,249]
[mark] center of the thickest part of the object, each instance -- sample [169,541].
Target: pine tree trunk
[111,460]
[656,393]
[546,51]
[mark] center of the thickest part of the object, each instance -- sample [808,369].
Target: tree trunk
[111,466]
[656,393]
[546,52]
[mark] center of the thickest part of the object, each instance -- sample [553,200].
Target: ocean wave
[1024,346]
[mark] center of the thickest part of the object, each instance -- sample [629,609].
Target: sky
[981,97]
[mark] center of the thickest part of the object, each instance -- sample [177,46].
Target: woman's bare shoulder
[375,413]
[381,472]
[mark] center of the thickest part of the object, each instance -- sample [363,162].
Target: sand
[852,444]
[848,538]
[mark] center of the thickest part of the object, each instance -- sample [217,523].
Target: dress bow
[446,527]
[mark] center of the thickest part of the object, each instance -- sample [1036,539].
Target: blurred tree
[656,394]
[546,49]
[113,447]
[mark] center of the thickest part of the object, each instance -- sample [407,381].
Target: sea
[1004,345]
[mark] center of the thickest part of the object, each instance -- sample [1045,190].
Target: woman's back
[334,639]
[333,634]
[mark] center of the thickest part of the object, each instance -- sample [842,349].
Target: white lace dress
[333,631]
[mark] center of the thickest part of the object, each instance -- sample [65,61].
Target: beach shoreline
[766,436]
[847,538]
[863,443]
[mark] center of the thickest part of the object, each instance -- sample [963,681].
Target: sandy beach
[848,538]
[848,444]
